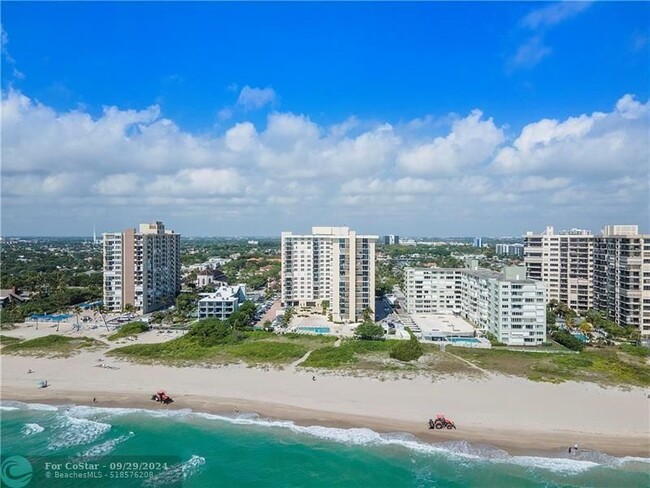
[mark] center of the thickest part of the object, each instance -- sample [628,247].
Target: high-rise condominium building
[391,239]
[141,268]
[333,265]
[478,242]
[622,276]
[564,263]
[506,304]
[516,250]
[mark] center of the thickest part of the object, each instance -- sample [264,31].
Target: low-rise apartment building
[222,303]
[507,304]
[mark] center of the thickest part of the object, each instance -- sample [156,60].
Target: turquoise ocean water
[204,450]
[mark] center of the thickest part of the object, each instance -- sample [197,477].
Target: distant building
[211,276]
[141,268]
[222,303]
[506,304]
[332,265]
[391,240]
[622,276]
[564,263]
[515,250]
[12,295]
[478,242]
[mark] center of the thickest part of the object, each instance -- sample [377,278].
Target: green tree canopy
[369,331]
[410,350]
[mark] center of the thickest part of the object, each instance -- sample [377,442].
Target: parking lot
[267,310]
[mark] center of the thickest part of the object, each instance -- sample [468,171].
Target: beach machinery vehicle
[162,397]
[441,422]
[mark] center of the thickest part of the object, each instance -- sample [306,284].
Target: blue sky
[239,118]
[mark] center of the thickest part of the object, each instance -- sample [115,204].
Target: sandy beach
[514,414]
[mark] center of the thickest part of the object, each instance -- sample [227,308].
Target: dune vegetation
[52,345]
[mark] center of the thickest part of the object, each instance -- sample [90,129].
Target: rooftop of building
[223,292]
[510,273]
[330,232]
[438,325]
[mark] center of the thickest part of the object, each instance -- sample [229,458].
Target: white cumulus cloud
[471,141]
[611,142]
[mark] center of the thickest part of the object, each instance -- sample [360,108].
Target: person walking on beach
[313,378]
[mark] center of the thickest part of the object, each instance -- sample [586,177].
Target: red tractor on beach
[162,397]
[441,422]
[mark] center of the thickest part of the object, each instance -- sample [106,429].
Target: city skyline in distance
[406,123]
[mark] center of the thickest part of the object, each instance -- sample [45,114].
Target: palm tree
[368,315]
[102,310]
[78,311]
[130,308]
[586,328]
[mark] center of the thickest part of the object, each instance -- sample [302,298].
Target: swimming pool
[45,316]
[580,336]
[315,330]
[464,339]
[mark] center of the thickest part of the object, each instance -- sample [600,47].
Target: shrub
[407,350]
[567,340]
[210,332]
[493,339]
[369,331]
[130,329]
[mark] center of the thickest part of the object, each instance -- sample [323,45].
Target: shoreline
[507,412]
[516,442]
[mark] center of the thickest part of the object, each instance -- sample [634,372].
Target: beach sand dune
[511,413]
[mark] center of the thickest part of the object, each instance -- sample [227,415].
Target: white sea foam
[177,473]
[105,447]
[8,409]
[41,406]
[16,405]
[368,437]
[31,429]
[71,431]
[87,412]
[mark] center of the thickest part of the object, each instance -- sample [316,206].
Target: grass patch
[52,345]
[128,330]
[6,340]
[363,347]
[606,366]
[637,351]
[181,349]
[312,338]
[253,347]
[330,357]
[267,352]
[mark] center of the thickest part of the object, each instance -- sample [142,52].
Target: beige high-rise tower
[564,263]
[331,264]
[141,268]
[622,276]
